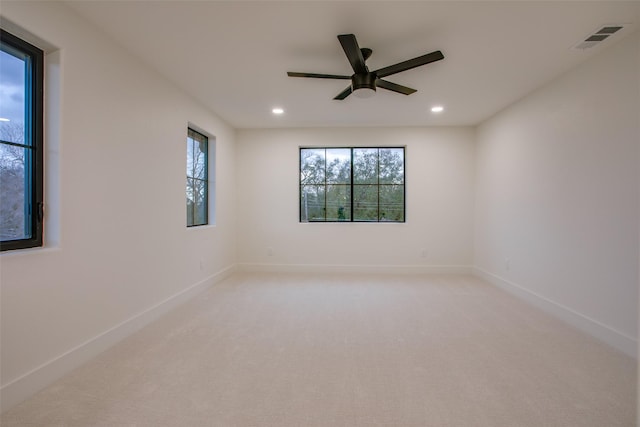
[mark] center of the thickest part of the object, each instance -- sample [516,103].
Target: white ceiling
[233,55]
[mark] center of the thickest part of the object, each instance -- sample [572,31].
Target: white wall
[557,196]
[439,194]
[122,245]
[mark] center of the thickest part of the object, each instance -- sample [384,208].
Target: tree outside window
[352,184]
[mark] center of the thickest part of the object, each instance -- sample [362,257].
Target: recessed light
[437,109]
[2,119]
[277,111]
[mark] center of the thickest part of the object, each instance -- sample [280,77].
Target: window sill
[201,227]
[30,251]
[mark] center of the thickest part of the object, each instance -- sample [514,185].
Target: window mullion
[351,186]
[15,144]
[378,182]
[326,187]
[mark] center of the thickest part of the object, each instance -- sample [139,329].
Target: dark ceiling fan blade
[318,76]
[409,64]
[342,95]
[353,52]
[394,87]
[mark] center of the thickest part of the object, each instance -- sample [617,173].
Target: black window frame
[352,184]
[34,142]
[205,180]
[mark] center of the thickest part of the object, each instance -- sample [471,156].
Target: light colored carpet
[309,350]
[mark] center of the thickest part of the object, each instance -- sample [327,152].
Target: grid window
[21,143]
[197,179]
[352,184]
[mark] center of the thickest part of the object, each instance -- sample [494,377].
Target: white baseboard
[607,334]
[26,385]
[358,269]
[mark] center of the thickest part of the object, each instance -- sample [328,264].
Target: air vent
[610,30]
[597,38]
[601,34]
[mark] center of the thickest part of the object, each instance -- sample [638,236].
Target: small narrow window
[21,143]
[197,179]
[352,184]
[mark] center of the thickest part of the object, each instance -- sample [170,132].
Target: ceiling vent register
[599,36]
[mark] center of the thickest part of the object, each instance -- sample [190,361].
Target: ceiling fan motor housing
[363,81]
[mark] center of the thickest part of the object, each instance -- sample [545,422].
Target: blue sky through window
[12,86]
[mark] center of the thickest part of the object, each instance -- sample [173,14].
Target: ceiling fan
[363,81]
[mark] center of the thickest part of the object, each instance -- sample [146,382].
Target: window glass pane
[312,166]
[391,166]
[338,203]
[190,156]
[312,201]
[13,67]
[196,158]
[200,215]
[338,166]
[365,165]
[14,198]
[200,159]
[191,202]
[391,203]
[365,203]
[196,202]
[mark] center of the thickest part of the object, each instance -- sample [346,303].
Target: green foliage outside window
[352,184]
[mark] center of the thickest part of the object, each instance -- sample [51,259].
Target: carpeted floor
[309,350]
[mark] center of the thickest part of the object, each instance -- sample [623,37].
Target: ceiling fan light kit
[363,85]
[365,82]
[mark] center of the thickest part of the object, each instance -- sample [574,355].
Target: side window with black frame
[363,184]
[197,178]
[21,143]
